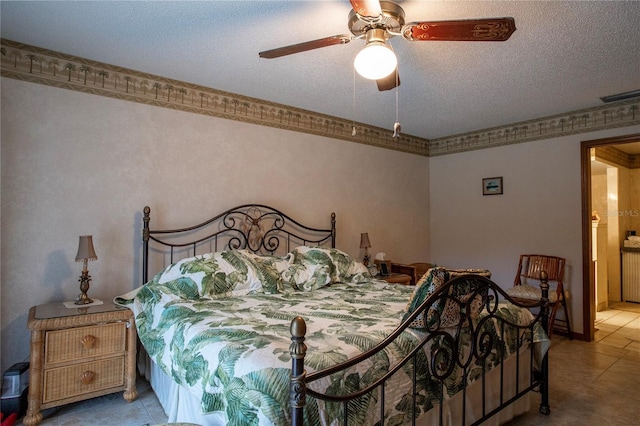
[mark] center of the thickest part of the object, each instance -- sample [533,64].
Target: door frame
[588,281]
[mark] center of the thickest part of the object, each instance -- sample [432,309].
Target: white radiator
[631,276]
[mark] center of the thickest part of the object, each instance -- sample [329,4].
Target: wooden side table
[395,278]
[79,353]
[416,270]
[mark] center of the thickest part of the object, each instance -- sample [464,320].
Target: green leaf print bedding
[218,324]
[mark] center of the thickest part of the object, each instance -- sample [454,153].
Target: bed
[256,319]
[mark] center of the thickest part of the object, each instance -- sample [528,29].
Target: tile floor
[109,410]
[596,383]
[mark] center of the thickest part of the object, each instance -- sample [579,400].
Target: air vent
[621,96]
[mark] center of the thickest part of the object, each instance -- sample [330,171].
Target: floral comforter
[218,324]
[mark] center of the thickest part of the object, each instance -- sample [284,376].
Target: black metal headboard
[256,227]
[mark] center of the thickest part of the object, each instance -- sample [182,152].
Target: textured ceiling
[564,55]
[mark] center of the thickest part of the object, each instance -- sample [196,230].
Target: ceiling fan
[377,21]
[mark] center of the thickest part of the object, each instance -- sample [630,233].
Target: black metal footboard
[471,349]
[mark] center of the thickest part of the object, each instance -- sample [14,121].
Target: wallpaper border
[609,116]
[42,66]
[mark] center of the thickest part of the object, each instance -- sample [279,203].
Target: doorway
[589,268]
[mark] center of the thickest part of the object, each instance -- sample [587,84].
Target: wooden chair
[526,286]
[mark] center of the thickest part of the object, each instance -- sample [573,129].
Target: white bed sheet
[182,406]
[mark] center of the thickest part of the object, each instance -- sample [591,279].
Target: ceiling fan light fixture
[375,61]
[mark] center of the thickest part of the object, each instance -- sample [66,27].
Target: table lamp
[85,253]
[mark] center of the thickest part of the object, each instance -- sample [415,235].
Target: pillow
[267,270]
[454,273]
[448,313]
[229,273]
[316,267]
[431,281]
[307,275]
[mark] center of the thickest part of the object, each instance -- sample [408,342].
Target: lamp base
[82,298]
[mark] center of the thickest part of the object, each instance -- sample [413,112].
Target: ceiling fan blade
[389,82]
[307,45]
[367,8]
[489,29]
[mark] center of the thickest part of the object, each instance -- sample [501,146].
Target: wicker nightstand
[79,353]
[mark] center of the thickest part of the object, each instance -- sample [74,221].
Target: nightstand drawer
[78,343]
[80,379]
[77,354]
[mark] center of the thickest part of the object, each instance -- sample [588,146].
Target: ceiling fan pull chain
[396,125]
[353,126]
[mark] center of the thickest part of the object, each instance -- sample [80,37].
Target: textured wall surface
[540,211]
[75,163]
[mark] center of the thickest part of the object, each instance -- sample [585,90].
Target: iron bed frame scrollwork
[265,230]
[255,227]
[442,362]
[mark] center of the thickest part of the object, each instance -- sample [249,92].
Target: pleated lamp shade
[85,249]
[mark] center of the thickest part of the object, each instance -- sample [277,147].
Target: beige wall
[618,215]
[539,212]
[75,163]
[632,202]
[599,198]
[635,197]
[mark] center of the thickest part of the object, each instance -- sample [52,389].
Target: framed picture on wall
[492,186]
